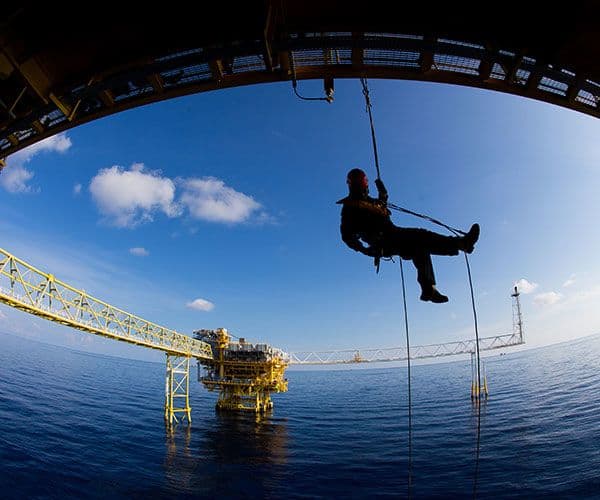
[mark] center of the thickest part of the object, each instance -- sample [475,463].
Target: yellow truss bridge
[24,287]
[244,373]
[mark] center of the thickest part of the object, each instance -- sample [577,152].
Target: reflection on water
[251,438]
[345,433]
[198,460]
[478,411]
[178,459]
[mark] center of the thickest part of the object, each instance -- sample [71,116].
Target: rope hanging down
[409,382]
[373,138]
[453,230]
[365,90]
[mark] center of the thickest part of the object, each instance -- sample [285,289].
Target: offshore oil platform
[244,374]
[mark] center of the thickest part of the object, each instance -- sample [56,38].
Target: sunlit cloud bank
[547,299]
[127,198]
[200,305]
[15,177]
[525,286]
[211,200]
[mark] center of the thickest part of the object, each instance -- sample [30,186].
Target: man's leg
[426,278]
[418,245]
[425,274]
[430,242]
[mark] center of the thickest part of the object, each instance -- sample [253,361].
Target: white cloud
[2,315]
[14,179]
[201,305]
[210,199]
[15,176]
[128,197]
[525,286]
[57,143]
[547,299]
[77,189]
[570,281]
[139,251]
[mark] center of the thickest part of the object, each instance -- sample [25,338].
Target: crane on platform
[245,374]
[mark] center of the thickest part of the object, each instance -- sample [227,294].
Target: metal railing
[347,356]
[24,287]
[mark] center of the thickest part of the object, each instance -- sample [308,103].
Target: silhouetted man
[368,219]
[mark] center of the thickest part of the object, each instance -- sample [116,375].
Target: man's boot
[432,295]
[469,239]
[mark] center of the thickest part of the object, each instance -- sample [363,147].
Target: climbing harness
[456,232]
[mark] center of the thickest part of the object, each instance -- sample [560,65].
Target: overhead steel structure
[60,67]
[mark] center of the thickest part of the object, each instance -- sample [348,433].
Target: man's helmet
[357,180]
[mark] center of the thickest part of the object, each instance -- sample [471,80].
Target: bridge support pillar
[177,390]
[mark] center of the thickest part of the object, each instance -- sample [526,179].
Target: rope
[476,326]
[477,399]
[368,105]
[409,382]
[477,453]
[365,91]
[455,231]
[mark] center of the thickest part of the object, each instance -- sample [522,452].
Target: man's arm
[350,237]
[383,194]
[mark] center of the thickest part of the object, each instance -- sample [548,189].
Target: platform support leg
[177,390]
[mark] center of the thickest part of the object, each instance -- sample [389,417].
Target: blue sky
[218,209]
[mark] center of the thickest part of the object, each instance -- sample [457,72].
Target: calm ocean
[79,425]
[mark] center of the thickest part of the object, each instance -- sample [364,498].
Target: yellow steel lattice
[24,287]
[177,390]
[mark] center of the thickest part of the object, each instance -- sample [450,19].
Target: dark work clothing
[418,245]
[367,219]
[364,219]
